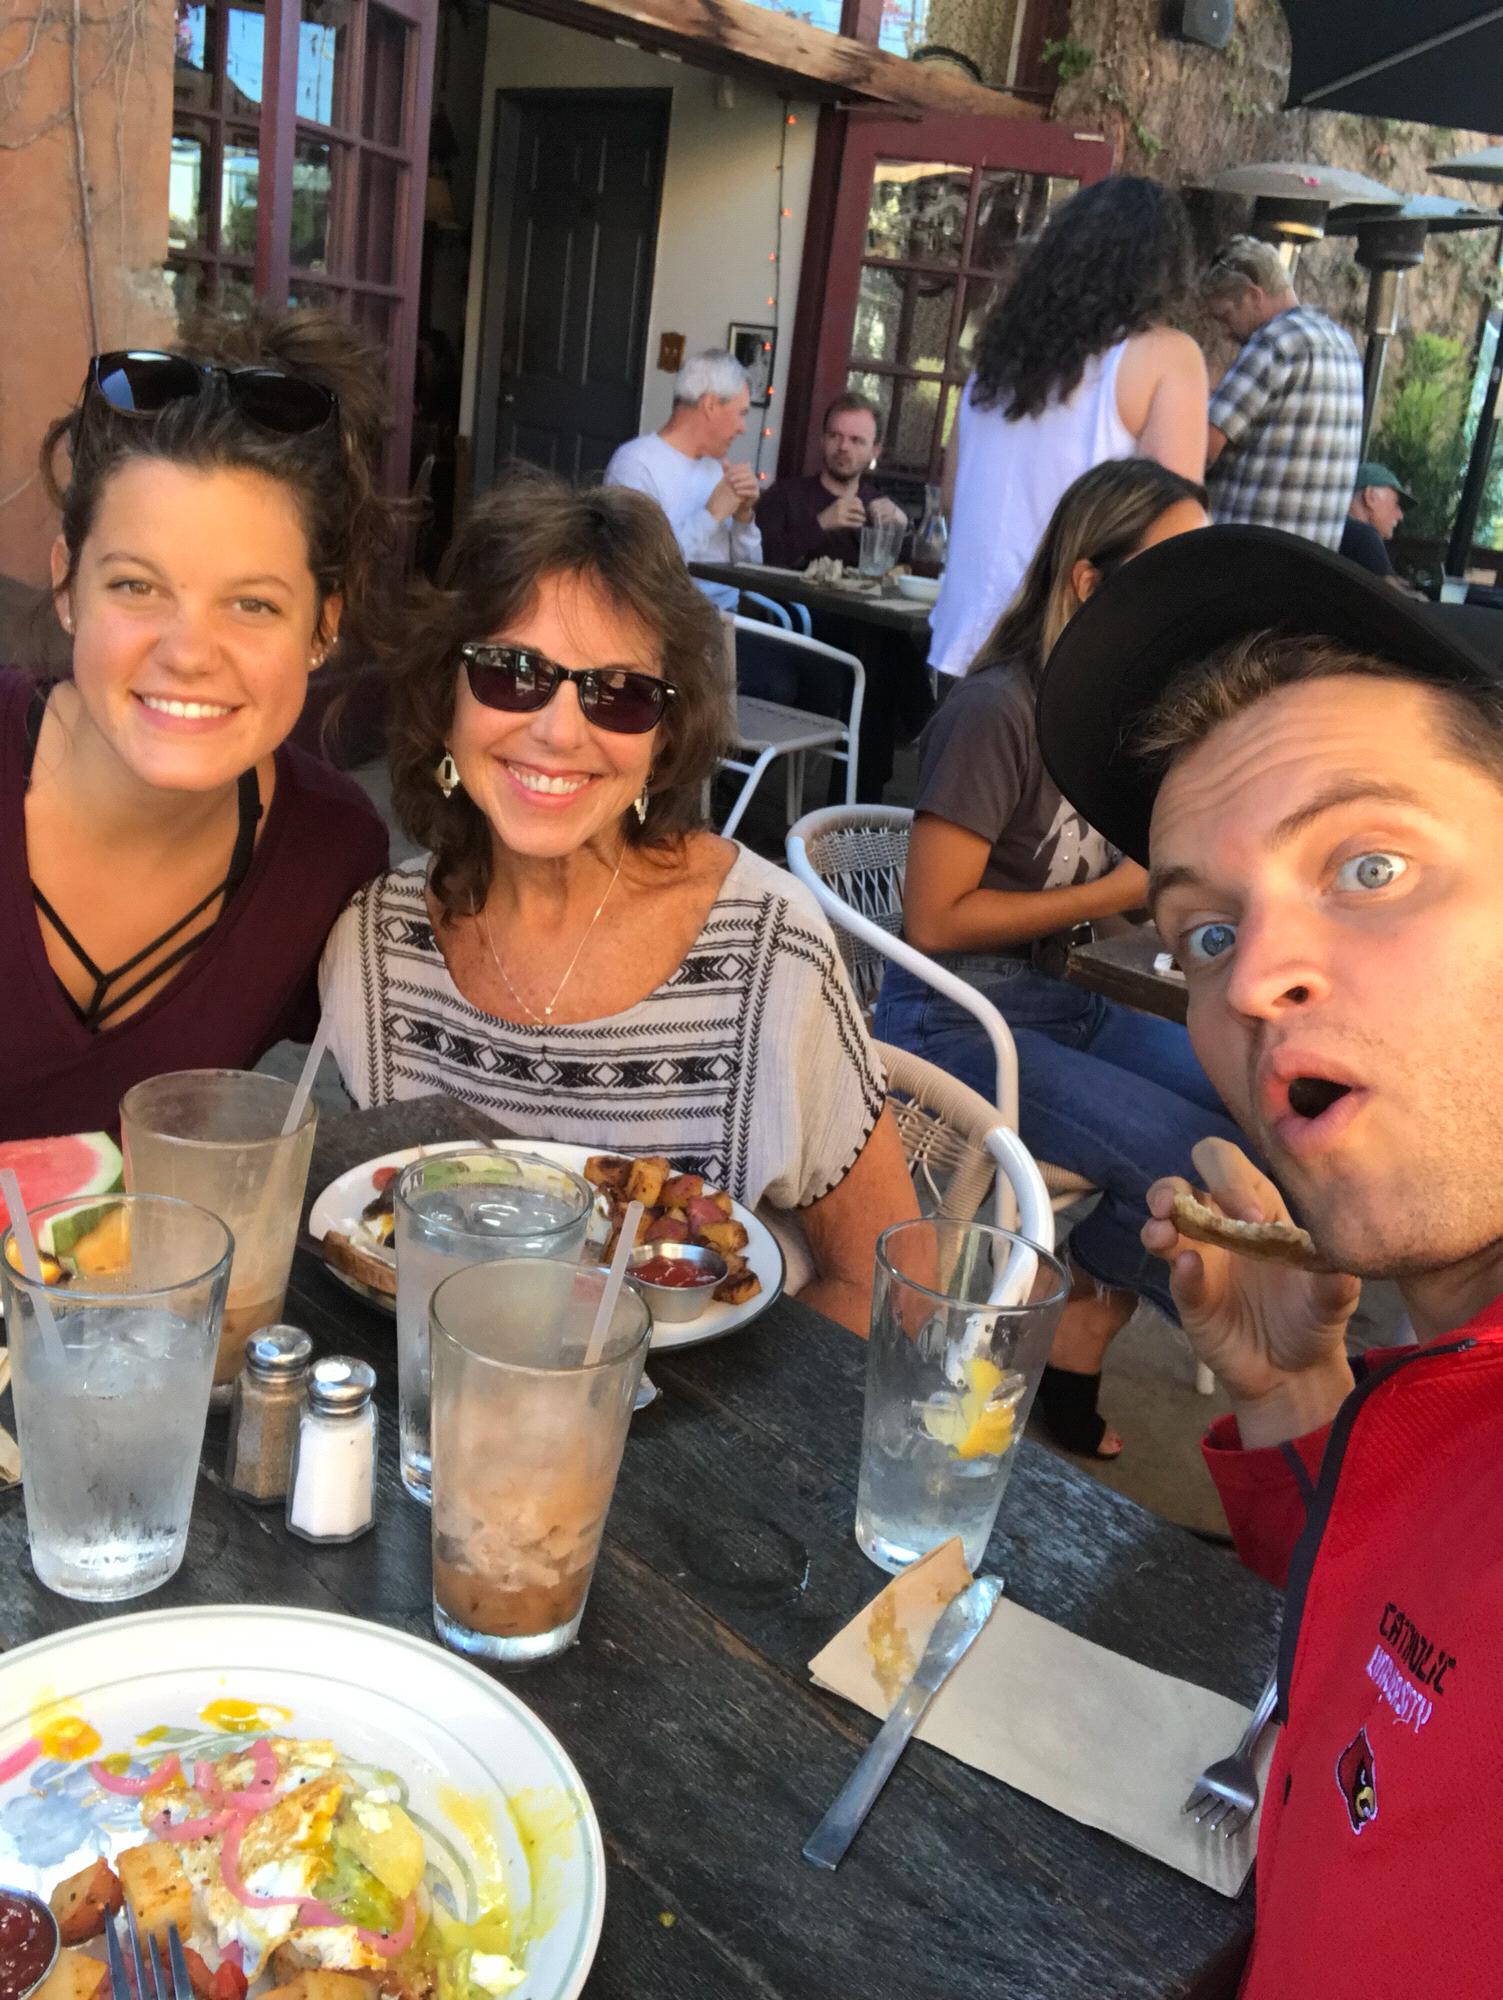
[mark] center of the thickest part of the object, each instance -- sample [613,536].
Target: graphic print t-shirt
[980,768]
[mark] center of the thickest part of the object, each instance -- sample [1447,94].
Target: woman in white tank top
[1076,364]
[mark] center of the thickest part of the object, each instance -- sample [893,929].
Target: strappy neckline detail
[97,1011]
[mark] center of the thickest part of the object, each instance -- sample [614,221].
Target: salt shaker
[268,1395]
[332,1494]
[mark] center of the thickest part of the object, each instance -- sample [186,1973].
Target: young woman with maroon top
[169,863]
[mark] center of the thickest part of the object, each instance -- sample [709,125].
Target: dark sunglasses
[139,382]
[521,681]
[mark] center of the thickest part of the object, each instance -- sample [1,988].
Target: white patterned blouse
[749,1065]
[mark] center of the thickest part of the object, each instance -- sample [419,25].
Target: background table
[729,1561]
[887,607]
[1121,968]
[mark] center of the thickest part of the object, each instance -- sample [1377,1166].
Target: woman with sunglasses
[169,864]
[1001,871]
[579,957]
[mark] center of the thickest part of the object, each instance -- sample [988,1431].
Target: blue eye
[1370,871]
[1208,941]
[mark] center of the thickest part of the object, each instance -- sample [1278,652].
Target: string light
[775,258]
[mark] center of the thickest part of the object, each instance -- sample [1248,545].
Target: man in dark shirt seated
[822,513]
[1377,508]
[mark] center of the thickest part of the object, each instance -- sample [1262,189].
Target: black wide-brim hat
[1178,602]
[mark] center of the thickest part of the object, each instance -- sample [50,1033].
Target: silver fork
[1225,1795]
[153,1980]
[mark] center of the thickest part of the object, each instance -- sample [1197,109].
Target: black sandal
[1067,1403]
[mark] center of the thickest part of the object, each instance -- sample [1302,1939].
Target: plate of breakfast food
[325,1809]
[353,1223]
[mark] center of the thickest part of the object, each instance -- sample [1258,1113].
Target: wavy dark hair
[1116,259]
[331,472]
[534,527]
[1101,519]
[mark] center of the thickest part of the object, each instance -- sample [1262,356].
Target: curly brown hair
[331,472]
[533,526]
[1115,260]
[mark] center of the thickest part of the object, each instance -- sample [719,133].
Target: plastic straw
[316,1055]
[31,1264]
[605,1312]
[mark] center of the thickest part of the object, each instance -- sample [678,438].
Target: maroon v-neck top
[251,983]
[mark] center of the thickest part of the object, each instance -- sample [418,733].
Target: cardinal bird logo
[1357,1781]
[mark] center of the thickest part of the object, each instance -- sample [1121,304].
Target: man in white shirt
[709,501]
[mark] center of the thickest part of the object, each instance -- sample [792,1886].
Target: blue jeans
[1104,1091]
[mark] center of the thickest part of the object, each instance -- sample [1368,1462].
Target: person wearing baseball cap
[1379,505]
[1312,768]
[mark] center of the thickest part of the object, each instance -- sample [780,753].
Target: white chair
[766,730]
[852,860]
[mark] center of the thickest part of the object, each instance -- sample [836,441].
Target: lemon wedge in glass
[972,1423]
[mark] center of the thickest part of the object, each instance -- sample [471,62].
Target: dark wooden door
[574,209]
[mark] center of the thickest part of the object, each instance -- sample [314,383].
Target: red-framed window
[299,151]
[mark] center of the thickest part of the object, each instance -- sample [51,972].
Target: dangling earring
[446,776]
[639,806]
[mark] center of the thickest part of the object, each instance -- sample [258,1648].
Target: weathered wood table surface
[887,607]
[1121,968]
[729,1560]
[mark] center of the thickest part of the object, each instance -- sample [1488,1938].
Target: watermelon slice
[81,1163]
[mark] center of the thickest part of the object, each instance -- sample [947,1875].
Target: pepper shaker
[267,1398]
[331,1497]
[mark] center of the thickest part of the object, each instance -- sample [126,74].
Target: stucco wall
[124,65]
[719,207]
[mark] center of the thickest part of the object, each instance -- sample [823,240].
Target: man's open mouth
[1309,1096]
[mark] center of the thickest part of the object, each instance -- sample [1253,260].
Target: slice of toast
[1277,1242]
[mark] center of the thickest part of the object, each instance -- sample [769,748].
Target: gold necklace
[540,1020]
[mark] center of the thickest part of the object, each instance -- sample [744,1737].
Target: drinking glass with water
[110,1411]
[962,1320]
[468,1207]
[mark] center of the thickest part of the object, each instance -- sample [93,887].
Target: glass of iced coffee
[527,1435]
[214,1137]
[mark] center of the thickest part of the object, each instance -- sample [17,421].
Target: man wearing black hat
[1313,769]
[1378,506]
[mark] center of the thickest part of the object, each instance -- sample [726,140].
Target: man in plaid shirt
[1286,418]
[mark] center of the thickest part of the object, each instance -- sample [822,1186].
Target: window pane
[194,285]
[192,58]
[912,425]
[185,190]
[310,295]
[876,389]
[1010,208]
[917,212]
[385,75]
[314,167]
[375,316]
[379,218]
[237,211]
[244,50]
[979,294]
[323,54]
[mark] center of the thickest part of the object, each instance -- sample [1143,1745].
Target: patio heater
[1484,166]
[1388,246]
[1292,199]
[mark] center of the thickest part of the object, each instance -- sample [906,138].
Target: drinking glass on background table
[880,542]
[527,1441]
[111,1429]
[950,1378]
[214,1136]
[468,1207]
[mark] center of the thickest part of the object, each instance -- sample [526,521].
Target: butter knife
[960,1623]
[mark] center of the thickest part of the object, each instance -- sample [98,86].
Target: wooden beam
[807,62]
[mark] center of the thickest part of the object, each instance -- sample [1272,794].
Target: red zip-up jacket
[1380,1859]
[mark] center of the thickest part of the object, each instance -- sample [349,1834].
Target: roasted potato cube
[199,1976]
[82,1903]
[680,1189]
[606,1170]
[668,1229]
[705,1209]
[156,1888]
[738,1288]
[645,1181]
[76,1976]
[724,1237]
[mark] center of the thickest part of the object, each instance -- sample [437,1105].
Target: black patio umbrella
[1439,63]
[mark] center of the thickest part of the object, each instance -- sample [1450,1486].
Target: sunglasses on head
[521,681]
[139,382]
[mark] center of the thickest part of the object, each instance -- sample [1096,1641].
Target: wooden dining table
[1122,968]
[885,606]
[709,1755]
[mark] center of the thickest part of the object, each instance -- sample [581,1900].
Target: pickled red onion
[313,1915]
[13,1765]
[136,1788]
[233,1954]
[164,1828]
[229,1868]
[267,1768]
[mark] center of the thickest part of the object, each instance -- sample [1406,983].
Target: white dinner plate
[477,1770]
[342,1202]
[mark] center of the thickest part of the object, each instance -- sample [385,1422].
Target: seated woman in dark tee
[1000,867]
[169,864]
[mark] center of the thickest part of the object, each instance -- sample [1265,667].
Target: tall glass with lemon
[962,1320]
